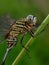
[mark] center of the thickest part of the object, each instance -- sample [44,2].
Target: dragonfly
[10,29]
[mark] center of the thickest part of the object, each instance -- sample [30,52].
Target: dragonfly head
[31,19]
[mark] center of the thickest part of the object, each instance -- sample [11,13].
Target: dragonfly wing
[5,22]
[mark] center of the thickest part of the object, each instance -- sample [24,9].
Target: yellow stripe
[21,26]
[20,23]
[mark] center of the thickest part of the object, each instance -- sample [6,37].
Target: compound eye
[35,20]
[30,17]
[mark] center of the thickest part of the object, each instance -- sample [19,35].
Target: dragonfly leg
[21,42]
[32,34]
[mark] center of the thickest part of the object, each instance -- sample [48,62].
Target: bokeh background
[39,50]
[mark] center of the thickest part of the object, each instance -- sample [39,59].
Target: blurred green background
[39,50]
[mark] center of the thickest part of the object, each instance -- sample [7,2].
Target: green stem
[40,28]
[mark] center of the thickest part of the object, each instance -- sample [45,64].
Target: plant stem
[31,40]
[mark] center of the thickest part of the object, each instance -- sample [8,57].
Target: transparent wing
[5,22]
